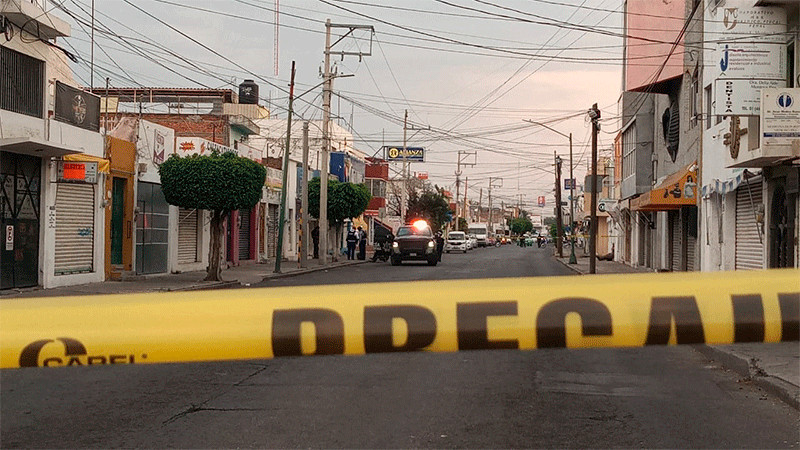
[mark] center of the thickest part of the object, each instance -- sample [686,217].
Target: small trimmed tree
[220,183]
[430,205]
[521,225]
[345,201]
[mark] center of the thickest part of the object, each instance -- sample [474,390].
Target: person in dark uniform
[315,238]
[362,243]
[439,244]
[351,239]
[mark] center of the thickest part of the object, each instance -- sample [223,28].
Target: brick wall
[209,127]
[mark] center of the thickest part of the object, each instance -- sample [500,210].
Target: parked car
[473,241]
[414,242]
[456,242]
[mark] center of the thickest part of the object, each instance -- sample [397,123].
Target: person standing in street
[352,240]
[362,244]
[439,245]
[315,238]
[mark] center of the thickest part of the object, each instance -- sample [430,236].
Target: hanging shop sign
[77,172]
[780,122]
[77,107]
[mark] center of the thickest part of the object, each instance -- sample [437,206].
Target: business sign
[780,120]
[77,107]
[541,201]
[422,175]
[751,55]
[77,172]
[400,153]
[569,184]
[193,146]
[274,179]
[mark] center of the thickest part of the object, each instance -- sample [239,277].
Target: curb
[306,270]
[784,390]
[568,265]
[208,287]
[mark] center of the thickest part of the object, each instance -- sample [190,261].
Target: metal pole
[326,147]
[593,206]
[91,70]
[279,254]
[572,258]
[304,201]
[559,219]
[403,205]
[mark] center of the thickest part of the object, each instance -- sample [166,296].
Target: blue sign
[569,183]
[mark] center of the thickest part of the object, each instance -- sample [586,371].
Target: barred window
[21,83]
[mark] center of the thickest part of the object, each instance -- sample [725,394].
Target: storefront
[677,197]
[20,198]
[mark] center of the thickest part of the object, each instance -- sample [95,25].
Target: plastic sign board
[422,175]
[780,121]
[541,201]
[410,154]
[77,172]
[569,184]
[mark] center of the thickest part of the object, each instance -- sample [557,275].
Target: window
[21,83]
[628,151]
[377,187]
[695,99]
[709,100]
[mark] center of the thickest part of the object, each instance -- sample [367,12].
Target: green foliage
[430,205]
[553,230]
[462,224]
[215,182]
[345,200]
[521,225]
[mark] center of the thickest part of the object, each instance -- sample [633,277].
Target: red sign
[422,175]
[541,201]
[74,171]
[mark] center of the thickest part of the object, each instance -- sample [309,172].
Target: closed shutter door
[74,228]
[749,249]
[691,246]
[187,235]
[272,242]
[244,234]
[675,231]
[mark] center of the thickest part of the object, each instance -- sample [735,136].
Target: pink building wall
[647,21]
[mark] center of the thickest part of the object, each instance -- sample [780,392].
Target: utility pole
[304,233]
[480,205]
[559,220]
[281,226]
[327,86]
[466,211]
[492,181]
[403,200]
[462,155]
[594,114]
[572,258]
[327,89]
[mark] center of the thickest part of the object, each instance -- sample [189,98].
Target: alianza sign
[400,153]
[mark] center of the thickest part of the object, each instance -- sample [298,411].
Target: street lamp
[572,258]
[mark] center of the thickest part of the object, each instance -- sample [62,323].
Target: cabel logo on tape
[526,313]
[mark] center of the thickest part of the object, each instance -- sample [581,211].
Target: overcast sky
[472,70]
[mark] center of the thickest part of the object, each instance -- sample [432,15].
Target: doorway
[20,186]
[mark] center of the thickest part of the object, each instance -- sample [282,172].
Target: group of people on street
[357,237]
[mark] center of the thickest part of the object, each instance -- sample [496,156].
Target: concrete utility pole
[327,86]
[480,205]
[462,155]
[492,181]
[304,233]
[281,226]
[594,114]
[559,219]
[327,89]
[466,211]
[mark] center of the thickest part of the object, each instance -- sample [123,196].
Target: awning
[103,165]
[36,147]
[677,190]
[728,185]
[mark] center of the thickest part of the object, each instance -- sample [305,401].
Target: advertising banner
[77,107]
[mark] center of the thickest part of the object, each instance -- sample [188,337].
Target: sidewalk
[242,275]
[773,367]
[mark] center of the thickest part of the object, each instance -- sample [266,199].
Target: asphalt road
[651,397]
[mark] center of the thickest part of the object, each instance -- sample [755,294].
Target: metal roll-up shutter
[272,240]
[244,235]
[187,235]
[749,246]
[74,247]
[675,235]
[691,248]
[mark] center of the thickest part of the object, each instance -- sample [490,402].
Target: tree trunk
[215,247]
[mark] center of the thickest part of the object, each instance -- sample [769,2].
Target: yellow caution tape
[515,313]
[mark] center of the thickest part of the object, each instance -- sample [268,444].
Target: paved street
[652,397]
